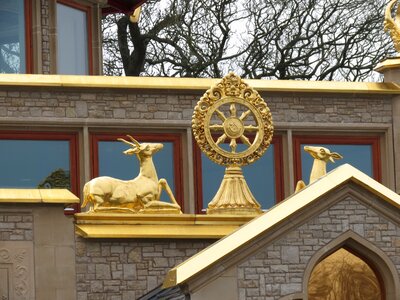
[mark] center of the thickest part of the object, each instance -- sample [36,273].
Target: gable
[292,212]
[283,267]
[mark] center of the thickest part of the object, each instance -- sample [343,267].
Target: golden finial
[234,113]
[392,25]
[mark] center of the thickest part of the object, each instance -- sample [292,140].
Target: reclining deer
[321,156]
[136,195]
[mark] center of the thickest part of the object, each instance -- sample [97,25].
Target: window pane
[34,164]
[260,177]
[12,36]
[359,156]
[112,162]
[72,41]
[342,275]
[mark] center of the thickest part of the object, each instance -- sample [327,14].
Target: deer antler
[133,145]
[133,140]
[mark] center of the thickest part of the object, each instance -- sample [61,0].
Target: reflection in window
[35,164]
[112,162]
[343,275]
[72,41]
[260,177]
[12,36]
[359,156]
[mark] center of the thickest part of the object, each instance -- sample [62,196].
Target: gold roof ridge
[194,84]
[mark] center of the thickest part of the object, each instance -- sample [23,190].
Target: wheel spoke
[244,115]
[221,139]
[233,145]
[232,109]
[216,127]
[220,115]
[250,128]
[245,140]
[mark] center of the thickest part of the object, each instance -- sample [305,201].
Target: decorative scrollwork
[4,255]
[234,112]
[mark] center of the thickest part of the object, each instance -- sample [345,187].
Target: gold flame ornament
[392,25]
[233,126]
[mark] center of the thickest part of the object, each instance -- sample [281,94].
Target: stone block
[128,295]
[81,109]
[96,286]
[290,288]
[290,254]
[103,271]
[129,271]
[35,111]
[160,262]
[88,96]
[70,112]
[119,113]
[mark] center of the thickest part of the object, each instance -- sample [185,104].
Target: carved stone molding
[16,270]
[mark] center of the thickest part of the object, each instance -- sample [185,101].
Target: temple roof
[277,214]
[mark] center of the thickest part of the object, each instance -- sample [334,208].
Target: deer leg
[163,184]
[146,198]
[97,200]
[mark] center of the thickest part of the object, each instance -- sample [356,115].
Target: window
[15,36]
[361,152]
[108,159]
[343,275]
[39,160]
[73,39]
[263,177]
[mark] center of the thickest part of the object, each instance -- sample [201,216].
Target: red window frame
[88,11]
[71,137]
[173,138]
[278,158]
[373,141]
[28,36]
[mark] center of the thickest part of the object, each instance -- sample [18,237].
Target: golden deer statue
[321,156]
[139,195]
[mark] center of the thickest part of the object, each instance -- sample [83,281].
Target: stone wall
[97,104]
[127,269]
[278,269]
[37,252]
[16,226]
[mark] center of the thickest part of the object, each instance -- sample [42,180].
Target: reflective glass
[12,36]
[112,162]
[34,164]
[359,156]
[342,275]
[72,41]
[260,177]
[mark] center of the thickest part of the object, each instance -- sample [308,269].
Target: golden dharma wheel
[232,124]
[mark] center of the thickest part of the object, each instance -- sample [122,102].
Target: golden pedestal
[234,196]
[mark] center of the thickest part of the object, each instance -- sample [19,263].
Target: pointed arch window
[344,275]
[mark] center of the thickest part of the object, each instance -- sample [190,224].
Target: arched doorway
[344,275]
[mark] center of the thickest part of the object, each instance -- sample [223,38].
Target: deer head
[141,149]
[322,153]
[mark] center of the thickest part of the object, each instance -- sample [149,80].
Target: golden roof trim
[278,213]
[387,64]
[61,196]
[184,226]
[196,84]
